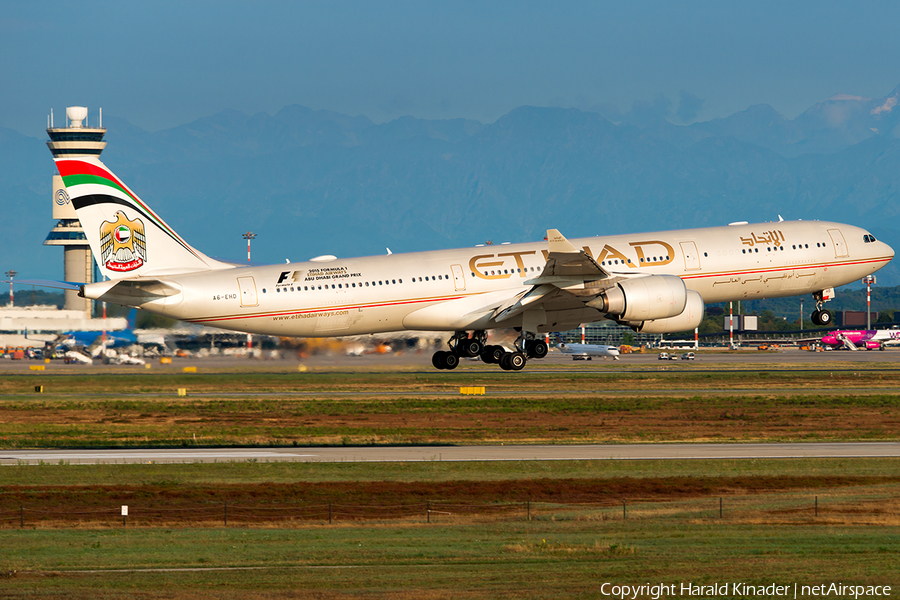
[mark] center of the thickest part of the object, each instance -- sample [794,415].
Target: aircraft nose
[888,250]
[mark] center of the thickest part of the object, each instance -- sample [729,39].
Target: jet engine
[643,298]
[689,318]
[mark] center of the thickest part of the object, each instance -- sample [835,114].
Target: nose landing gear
[820,316]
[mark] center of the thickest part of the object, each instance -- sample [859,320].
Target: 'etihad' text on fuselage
[482,267]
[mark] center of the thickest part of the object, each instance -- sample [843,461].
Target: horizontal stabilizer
[130,292]
[48,283]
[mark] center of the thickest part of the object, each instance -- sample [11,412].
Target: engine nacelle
[643,298]
[687,320]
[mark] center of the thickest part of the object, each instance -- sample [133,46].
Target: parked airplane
[871,339]
[103,339]
[586,351]
[653,282]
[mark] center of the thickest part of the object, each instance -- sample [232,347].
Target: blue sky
[161,64]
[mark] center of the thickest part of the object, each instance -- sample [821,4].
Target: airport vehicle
[872,339]
[677,344]
[653,282]
[586,351]
[663,356]
[688,356]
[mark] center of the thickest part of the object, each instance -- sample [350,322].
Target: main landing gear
[461,345]
[820,316]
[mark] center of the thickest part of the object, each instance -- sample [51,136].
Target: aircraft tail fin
[127,238]
[132,317]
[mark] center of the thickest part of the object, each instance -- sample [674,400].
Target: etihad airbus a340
[653,282]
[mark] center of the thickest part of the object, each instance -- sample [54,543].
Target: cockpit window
[868,238]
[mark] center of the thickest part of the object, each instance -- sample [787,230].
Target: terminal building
[35,326]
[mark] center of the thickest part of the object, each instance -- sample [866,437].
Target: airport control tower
[75,139]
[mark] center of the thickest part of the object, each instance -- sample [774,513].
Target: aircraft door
[459,280]
[248,291]
[691,256]
[840,246]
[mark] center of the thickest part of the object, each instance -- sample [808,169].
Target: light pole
[249,236]
[869,280]
[11,274]
[730,327]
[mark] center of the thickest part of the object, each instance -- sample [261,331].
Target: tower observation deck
[73,140]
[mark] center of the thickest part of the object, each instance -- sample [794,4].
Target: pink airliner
[872,339]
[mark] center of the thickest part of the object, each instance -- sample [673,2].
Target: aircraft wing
[518,303]
[569,278]
[565,260]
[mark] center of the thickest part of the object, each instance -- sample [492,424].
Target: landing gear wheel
[469,347]
[444,360]
[504,361]
[516,361]
[537,349]
[492,354]
[821,317]
[437,359]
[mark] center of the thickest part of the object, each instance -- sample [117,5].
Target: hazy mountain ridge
[311,182]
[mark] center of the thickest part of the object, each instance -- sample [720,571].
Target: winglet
[559,243]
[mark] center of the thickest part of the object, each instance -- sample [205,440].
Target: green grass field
[566,556]
[768,530]
[142,409]
[564,551]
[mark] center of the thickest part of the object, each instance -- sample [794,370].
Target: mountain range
[312,182]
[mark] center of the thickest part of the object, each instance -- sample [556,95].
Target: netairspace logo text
[740,589]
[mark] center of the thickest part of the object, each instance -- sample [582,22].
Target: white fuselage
[449,289]
[589,350]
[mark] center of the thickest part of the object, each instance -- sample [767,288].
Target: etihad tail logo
[123,244]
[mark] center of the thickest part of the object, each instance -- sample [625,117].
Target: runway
[456,453]
[420,362]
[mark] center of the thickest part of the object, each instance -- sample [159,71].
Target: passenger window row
[509,271]
[781,248]
[353,284]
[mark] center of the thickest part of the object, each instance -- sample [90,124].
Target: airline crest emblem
[123,244]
